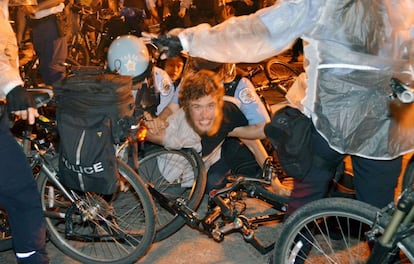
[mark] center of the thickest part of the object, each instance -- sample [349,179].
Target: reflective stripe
[25,255]
[78,159]
[347,66]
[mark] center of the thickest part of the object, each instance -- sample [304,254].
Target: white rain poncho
[353,47]
[9,62]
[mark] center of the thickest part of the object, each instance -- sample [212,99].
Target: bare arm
[48,4]
[256,147]
[156,138]
[249,132]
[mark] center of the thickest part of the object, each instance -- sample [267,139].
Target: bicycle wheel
[332,230]
[280,75]
[409,174]
[174,173]
[116,228]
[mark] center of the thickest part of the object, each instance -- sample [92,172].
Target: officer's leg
[51,51]
[239,158]
[375,180]
[20,197]
[316,182]
[216,175]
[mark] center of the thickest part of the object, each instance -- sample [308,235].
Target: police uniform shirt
[249,102]
[164,86]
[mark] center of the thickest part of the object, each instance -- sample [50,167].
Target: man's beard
[213,129]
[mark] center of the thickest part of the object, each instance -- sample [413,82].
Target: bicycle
[87,44]
[226,208]
[192,168]
[341,230]
[97,30]
[89,227]
[272,74]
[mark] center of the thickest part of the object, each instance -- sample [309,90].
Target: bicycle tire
[185,170]
[331,230]
[408,174]
[281,75]
[100,235]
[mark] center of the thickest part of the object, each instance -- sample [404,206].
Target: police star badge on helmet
[128,55]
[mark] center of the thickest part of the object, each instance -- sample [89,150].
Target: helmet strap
[143,75]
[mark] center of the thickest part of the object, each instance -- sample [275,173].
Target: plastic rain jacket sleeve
[352,50]
[9,64]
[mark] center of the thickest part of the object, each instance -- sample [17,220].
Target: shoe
[272,173]
[279,188]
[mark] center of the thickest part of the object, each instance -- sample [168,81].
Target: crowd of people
[195,98]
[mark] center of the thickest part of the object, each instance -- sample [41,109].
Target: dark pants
[236,158]
[374,180]
[50,48]
[19,196]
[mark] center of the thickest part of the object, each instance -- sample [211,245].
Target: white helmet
[128,55]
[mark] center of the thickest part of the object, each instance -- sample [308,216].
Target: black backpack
[290,133]
[94,111]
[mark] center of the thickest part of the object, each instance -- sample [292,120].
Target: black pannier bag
[290,133]
[94,111]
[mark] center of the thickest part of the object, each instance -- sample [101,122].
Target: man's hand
[154,125]
[30,114]
[21,104]
[182,12]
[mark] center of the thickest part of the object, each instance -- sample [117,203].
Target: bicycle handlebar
[402,91]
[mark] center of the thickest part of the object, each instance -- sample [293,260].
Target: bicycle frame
[225,203]
[398,228]
[402,213]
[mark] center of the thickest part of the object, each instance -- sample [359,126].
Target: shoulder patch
[165,88]
[247,96]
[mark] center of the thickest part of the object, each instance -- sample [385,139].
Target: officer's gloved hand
[19,99]
[169,44]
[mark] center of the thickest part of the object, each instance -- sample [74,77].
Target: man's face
[205,115]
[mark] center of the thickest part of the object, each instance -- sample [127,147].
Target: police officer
[136,12]
[19,195]
[153,88]
[47,21]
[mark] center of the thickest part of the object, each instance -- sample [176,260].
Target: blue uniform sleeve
[250,103]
